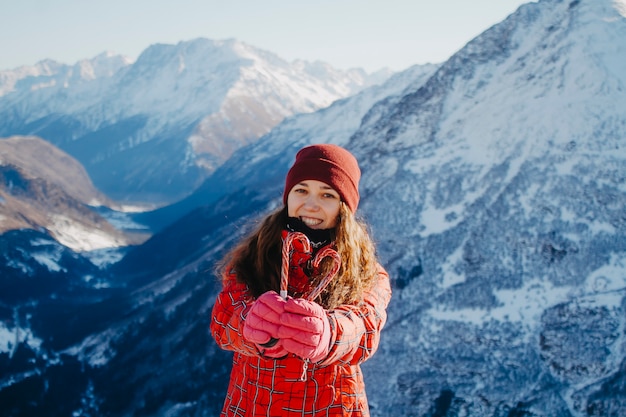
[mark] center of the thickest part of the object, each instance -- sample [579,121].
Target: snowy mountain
[273,154]
[506,235]
[44,189]
[146,317]
[495,189]
[49,74]
[152,130]
[495,186]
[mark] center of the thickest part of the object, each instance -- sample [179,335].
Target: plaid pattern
[267,387]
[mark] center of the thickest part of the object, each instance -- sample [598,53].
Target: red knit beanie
[330,164]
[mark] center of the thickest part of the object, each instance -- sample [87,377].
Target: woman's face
[315,203]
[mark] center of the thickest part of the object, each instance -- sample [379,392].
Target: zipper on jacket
[305,367]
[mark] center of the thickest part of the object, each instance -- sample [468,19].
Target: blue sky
[344,33]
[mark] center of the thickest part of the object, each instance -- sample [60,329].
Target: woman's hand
[305,329]
[262,323]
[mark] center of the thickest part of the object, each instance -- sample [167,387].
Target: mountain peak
[553,51]
[188,105]
[50,74]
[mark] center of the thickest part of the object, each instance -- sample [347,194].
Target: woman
[300,355]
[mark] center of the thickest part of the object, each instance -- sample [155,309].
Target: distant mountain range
[494,185]
[150,131]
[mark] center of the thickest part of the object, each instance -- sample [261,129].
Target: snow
[178,409]
[7,339]
[522,305]
[526,304]
[15,264]
[95,349]
[121,219]
[620,6]
[82,238]
[449,271]
[608,278]
[11,337]
[104,257]
[48,260]
[435,221]
[468,315]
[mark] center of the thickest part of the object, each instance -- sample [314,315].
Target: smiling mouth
[311,222]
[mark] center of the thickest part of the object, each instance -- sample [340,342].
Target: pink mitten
[305,329]
[263,319]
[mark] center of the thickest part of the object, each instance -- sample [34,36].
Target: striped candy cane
[286,258]
[325,252]
[287,250]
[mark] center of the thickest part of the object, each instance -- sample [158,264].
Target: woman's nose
[311,203]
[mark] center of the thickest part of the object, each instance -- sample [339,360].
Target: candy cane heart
[287,250]
[325,252]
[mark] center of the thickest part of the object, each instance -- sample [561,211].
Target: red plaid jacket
[273,387]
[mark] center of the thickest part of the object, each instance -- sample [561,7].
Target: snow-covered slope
[50,74]
[43,188]
[152,130]
[504,227]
